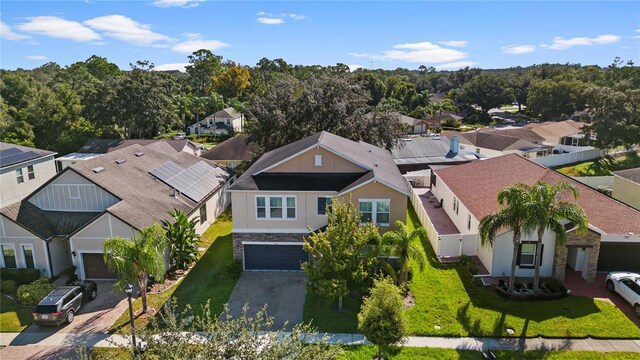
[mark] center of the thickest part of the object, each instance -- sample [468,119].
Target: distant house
[420,153]
[231,152]
[97,147]
[436,120]
[66,221]
[494,142]
[565,136]
[219,123]
[22,170]
[413,125]
[626,186]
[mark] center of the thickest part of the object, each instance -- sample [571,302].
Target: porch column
[560,263]
[592,262]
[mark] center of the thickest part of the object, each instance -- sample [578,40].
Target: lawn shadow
[23,313]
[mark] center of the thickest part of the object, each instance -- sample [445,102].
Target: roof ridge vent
[98,169]
[139,153]
[120,161]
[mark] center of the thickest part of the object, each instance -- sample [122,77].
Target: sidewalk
[464,343]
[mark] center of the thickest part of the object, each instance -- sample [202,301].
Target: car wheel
[610,286]
[94,294]
[70,317]
[636,309]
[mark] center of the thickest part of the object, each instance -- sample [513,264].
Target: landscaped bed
[446,297]
[13,317]
[209,280]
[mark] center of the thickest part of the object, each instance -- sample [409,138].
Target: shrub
[31,294]
[8,286]
[234,268]
[20,276]
[517,285]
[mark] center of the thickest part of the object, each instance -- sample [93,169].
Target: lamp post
[129,290]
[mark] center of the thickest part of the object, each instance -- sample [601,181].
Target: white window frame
[23,256]
[77,190]
[575,141]
[374,210]
[15,254]
[317,160]
[267,207]
[31,171]
[200,211]
[19,176]
[533,263]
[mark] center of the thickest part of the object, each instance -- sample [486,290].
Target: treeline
[59,108]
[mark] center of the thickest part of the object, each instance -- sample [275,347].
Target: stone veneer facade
[591,240]
[238,238]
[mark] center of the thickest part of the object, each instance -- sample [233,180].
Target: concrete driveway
[282,292]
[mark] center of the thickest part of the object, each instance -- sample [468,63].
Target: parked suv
[60,305]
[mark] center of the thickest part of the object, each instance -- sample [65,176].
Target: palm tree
[136,258]
[550,210]
[403,245]
[515,211]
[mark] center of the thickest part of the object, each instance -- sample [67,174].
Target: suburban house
[231,152]
[565,135]
[460,196]
[436,120]
[22,170]
[67,219]
[495,142]
[219,123]
[626,186]
[413,125]
[284,195]
[419,153]
[97,147]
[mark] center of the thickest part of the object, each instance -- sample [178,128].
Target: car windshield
[46,309]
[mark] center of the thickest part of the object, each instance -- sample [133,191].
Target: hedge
[8,287]
[31,294]
[20,276]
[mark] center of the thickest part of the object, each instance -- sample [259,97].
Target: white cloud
[270,21]
[59,28]
[360,54]
[36,57]
[176,3]
[423,52]
[196,43]
[173,66]
[454,43]
[354,67]
[7,33]
[560,43]
[455,65]
[126,29]
[297,16]
[518,49]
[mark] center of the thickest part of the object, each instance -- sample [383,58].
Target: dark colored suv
[60,305]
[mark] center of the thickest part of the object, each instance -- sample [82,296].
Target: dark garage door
[95,268]
[619,257]
[274,257]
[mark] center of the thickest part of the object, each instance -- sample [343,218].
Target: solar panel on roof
[194,182]
[15,155]
[10,151]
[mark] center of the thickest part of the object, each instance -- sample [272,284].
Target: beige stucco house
[22,170]
[626,187]
[283,196]
[460,196]
[496,142]
[67,220]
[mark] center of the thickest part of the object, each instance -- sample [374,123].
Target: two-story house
[22,170]
[464,194]
[219,123]
[67,219]
[284,195]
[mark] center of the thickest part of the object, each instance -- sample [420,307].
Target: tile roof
[477,185]
[237,148]
[378,161]
[629,174]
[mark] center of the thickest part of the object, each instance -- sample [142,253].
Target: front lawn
[208,280]
[14,318]
[602,167]
[446,297]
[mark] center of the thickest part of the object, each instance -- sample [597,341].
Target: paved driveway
[282,292]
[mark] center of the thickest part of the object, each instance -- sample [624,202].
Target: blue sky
[378,34]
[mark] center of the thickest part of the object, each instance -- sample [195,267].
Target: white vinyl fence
[570,158]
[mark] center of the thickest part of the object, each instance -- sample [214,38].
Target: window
[27,252]
[324,204]
[276,207]
[318,160]
[478,150]
[9,256]
[527,254]
[203,214]
[376,211]
[469,222]
[74,192]
[19,176]
[456,205]
[30,172]
[575,141]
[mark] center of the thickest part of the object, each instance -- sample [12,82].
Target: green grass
[445,296]
[208,280]
[601,167]
[14,318]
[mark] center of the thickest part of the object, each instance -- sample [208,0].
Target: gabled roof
[559,128]
[629,174]
[376,161]
[226,113]
[237,148]
[444,115]
[477,185]
[489,139]
[521,133]
[103,146]
[12,154]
